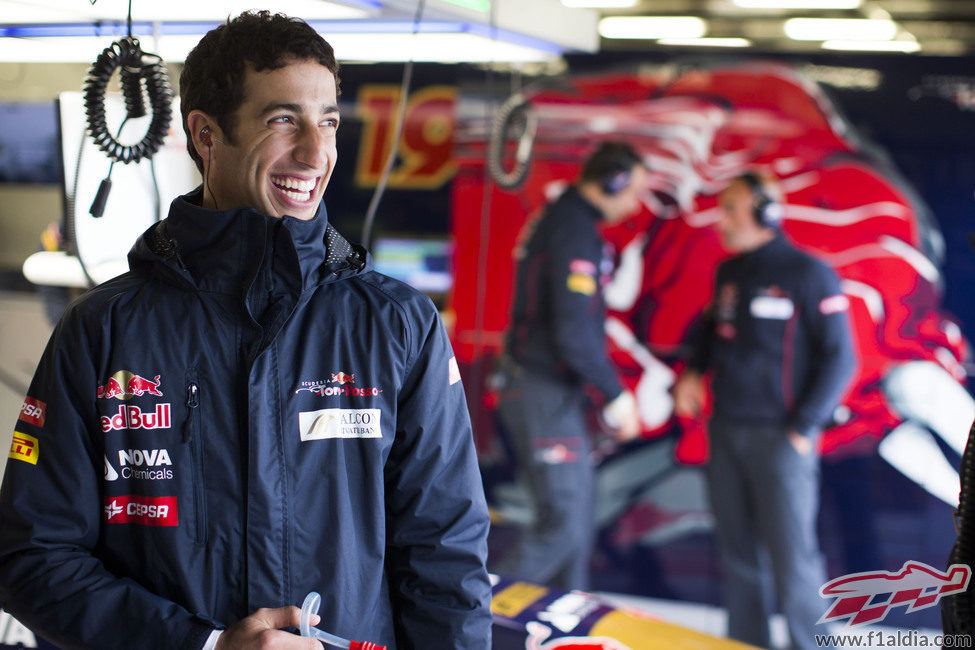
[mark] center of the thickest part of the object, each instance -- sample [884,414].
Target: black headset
[616,183]
[767,211]
[611,166]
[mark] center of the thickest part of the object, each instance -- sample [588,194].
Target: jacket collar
[771,247]
[573,196]
[225,250]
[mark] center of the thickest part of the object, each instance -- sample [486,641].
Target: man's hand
[689,394]
[262,631]
[802,444]
[623,415]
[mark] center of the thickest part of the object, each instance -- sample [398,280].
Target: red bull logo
[538,639]
[132,417]
[125,384]
[343,378]
[867,597]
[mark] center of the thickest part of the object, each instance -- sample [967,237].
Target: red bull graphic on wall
[906,413]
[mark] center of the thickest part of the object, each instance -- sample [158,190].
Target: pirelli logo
[24,447]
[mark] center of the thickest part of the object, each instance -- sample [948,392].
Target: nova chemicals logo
[140,464]
[868,597]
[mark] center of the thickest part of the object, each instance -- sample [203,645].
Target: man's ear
[203,131]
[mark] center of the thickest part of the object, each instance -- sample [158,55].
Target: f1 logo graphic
[867,597]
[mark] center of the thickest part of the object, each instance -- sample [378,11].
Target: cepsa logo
[132,417]
[125,384]
[32,412]
[146,511]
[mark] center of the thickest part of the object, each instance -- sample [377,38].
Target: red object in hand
[365,645]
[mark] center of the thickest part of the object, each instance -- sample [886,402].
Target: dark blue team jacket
[249,414]
[777,338]
[558,314]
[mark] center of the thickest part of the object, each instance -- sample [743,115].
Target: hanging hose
[136,67]
[515,114]
[140,74]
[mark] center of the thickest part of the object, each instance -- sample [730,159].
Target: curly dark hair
[213,74]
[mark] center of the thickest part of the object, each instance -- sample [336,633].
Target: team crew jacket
[777,338]
[558,314]
[250,414]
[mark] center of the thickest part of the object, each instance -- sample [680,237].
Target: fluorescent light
[652,27]
[706,42]
[854,29]
[70,49]
[873,46]
[599,4]
[443,42]
[483,6]
[443,48]
[73,11]
[799,4]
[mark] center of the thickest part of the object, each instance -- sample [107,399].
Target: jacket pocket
[192,436]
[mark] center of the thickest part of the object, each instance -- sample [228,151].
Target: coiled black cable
[136,67]
[515,115]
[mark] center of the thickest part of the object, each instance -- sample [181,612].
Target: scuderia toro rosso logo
[341,383]
[867,597]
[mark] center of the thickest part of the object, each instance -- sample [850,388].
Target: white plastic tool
[310,607]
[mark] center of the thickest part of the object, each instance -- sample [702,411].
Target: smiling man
[304,428]
[279,154]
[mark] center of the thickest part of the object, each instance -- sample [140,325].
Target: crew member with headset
[777,339]
[556,345]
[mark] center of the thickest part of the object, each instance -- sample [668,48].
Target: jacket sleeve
[437,519]
[832,358]
[700,334]
[578,313]
[51,511]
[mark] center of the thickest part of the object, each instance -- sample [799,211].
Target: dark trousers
[765,500]
[547,424]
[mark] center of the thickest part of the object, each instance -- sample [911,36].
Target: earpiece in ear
[205,136]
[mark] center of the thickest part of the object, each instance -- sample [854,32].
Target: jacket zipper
[192,435]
